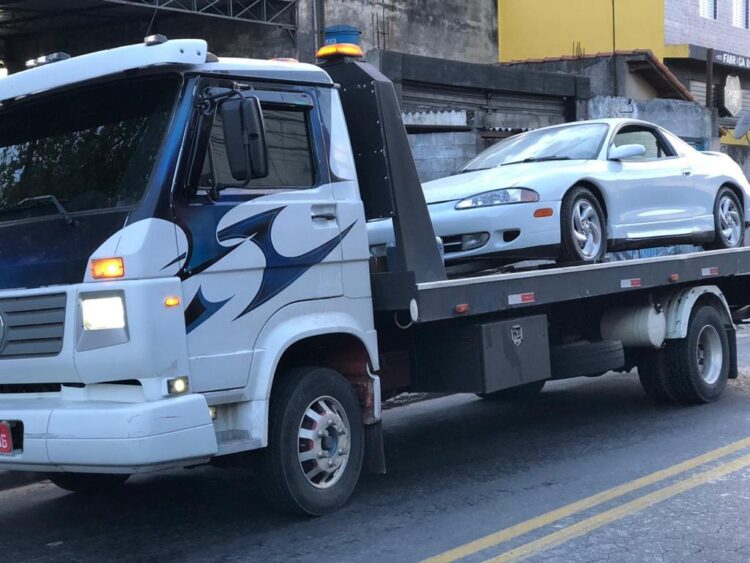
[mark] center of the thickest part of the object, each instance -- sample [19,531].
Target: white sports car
[572,192]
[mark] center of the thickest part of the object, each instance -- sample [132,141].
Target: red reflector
[521,298]
[461,308]
[674,277]
[634,282]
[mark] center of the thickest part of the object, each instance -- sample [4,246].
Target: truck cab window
[290,158]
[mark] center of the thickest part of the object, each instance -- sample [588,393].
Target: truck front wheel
[87,482]
[315,442]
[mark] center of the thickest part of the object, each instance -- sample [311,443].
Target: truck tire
[521,392]
[315,442]
[698,365]
[654,377]
[585,358]
[87,482]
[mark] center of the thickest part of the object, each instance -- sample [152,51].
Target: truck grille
[32,326]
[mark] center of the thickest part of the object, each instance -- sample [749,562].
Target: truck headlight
[498,197]
[103,313]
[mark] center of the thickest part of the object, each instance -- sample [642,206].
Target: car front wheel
[583,236]
[729,221]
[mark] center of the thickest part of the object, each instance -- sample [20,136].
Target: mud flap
[733,371]
[374,448]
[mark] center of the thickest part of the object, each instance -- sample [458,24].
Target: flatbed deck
[496,293]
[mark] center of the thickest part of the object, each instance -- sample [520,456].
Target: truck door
[253,248]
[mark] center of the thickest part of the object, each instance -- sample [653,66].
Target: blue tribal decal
[280,271]
[200,310]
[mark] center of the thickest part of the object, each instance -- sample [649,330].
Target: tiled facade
[683,24]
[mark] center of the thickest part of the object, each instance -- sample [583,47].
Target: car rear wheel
[583,236]
[729,221]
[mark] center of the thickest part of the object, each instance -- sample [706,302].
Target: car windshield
[83,150]
[573,142]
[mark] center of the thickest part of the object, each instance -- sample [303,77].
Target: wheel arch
[737,190]
[595,189]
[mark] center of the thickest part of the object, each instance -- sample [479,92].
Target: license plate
[6,443]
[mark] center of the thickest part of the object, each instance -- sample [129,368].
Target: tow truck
[185,277]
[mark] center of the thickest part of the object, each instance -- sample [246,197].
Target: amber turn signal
[171,301]
[339,50]
[543,212]
[107,268]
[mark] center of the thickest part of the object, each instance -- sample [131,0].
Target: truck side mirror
[245,138]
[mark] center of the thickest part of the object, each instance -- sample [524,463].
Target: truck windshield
[572,142]
[86,149]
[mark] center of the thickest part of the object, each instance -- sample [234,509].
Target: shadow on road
[450,450]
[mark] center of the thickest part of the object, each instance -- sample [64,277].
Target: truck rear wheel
[315,442]
[654,377]
[698,365]
[87,482]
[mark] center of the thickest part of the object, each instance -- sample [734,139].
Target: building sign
[733,95]
[730,59]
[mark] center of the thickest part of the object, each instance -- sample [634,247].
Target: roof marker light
[47,59]
[155,39]
[107,268]
[339,50]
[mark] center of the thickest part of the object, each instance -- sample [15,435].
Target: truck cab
[172,226]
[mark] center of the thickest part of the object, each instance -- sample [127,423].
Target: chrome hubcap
[323,442]
[729,220]
[587,229]
[709,354]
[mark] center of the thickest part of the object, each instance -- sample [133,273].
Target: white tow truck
[185,275]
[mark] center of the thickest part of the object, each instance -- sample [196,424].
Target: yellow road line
[627,509]
[522,528]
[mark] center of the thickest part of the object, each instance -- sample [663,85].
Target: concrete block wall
[683,24]
[440,154]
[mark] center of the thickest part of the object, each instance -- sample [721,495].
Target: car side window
[290,156]
[653,144]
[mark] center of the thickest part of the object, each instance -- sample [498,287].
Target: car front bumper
[513,229]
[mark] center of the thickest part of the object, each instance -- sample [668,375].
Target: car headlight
[103,313]
[498,197]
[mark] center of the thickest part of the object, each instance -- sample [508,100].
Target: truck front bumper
[52,434]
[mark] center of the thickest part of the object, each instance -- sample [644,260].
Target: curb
[14,479]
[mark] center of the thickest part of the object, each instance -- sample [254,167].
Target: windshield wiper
[47,198]
[537,159]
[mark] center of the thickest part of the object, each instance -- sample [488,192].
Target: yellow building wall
[535,29]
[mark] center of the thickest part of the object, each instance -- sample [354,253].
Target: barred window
[740,13]
[708,9]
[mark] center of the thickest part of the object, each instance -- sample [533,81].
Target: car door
[650,196]
[255,247]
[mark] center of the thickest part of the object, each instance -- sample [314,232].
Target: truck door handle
[325,215]
[687,172]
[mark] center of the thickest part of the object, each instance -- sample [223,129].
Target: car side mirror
[244,138]
[626,151]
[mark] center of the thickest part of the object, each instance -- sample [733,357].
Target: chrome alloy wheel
[729,220]
[709,354]
[587,229]
[324,442]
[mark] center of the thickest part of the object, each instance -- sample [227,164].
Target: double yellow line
[608,516]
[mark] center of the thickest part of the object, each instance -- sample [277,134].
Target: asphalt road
[471,478]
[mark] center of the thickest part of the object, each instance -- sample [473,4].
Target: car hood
[468,184]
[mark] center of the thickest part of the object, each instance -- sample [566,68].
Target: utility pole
[709,78]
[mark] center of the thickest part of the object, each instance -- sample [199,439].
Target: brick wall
[683,24]
[440,154]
